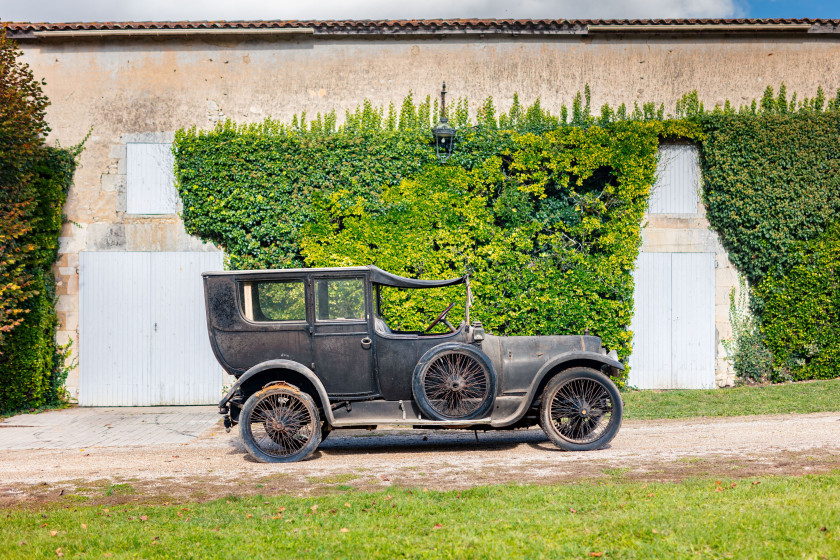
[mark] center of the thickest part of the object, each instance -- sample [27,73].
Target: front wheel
[580,410]
[280,424]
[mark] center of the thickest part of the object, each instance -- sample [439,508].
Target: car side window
[273,301]
[337,300]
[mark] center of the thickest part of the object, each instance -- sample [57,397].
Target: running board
[393,413]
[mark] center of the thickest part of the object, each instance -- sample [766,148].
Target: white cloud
[159,10]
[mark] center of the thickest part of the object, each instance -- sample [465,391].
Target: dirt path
[215,463]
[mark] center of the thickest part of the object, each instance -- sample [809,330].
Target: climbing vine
[543,210]
[544,216]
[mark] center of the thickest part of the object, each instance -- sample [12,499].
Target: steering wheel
[442,317]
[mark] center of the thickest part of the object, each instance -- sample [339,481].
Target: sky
[164,10]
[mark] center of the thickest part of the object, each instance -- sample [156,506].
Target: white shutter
[150,181]
[677,180]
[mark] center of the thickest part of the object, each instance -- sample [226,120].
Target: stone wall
[124,89]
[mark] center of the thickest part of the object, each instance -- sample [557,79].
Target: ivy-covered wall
[543,211]
[544,216]
[772,191]
[32,366]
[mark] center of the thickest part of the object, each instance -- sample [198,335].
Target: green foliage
[543,215]
[32,366]
[801,311]
[548,227]
[746,350]
[22,127]
[542,210]
[771,181]
[249,188]
[771,174]
[33,187]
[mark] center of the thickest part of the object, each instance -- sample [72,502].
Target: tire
[581,409]
[280,424]
[454,382]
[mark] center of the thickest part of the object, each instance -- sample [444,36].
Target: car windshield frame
[379,277]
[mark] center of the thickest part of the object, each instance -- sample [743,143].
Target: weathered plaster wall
[125,87]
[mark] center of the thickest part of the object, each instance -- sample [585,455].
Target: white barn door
[143,332]
[673,325]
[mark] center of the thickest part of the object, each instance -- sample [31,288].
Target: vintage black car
[311,353]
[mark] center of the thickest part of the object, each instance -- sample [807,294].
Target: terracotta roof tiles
[413,26]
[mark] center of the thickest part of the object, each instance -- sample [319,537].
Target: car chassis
[311,354]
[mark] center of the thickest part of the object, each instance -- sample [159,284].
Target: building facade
[128,272]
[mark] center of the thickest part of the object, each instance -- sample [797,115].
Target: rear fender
[282,365]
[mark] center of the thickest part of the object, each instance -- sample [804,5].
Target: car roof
[377,275]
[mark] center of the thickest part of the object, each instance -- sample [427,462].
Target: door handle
[366,343]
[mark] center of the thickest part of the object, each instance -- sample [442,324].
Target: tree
[22,131]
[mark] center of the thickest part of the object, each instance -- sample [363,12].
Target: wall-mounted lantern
[444,134]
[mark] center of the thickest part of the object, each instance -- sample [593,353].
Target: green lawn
[799,398]
[795,517]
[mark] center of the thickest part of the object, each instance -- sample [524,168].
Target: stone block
[75,242]
[67,304]
[117,151]
[71,322]
[106,237]
[112,182]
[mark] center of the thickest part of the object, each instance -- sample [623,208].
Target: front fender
[548,367]
[281,364]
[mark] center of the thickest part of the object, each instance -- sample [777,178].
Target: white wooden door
[143,332]
[673,324]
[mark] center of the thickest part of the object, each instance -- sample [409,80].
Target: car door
[341,336]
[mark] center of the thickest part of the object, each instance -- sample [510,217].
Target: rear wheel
[581,409]
[280,424]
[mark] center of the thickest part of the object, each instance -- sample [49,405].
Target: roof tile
[379,26]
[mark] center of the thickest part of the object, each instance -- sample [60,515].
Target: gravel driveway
[208,462]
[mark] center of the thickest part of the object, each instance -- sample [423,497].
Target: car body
[311,354]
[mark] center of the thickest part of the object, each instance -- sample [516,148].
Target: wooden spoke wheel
[581,410]
[280,424]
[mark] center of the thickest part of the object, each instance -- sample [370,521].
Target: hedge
[771,182]
[771,179]
[801,313]
[34,180]
[32,366]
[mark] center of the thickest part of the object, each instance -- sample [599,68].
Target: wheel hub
[584,410]
[278,424]
[456,384]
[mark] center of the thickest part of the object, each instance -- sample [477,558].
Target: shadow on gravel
[425,441]
[416,441]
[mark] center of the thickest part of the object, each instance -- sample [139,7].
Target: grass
[799,398]
[790,517]
[119,490]
[333,479]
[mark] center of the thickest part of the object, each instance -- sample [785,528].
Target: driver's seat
[380,326]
